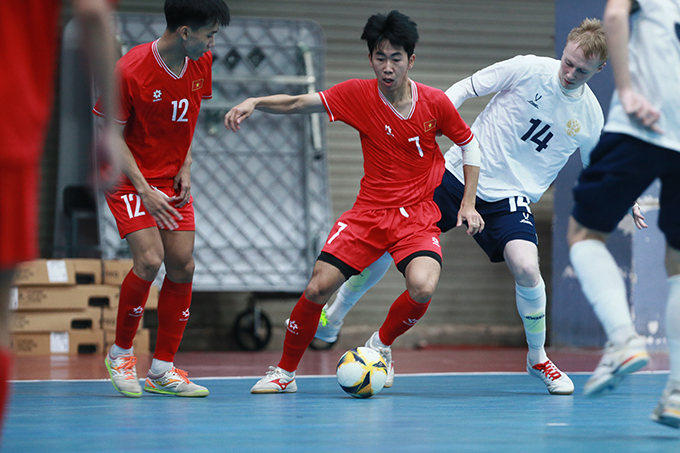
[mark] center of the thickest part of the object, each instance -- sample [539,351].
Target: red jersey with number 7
[159,110]
[402,160]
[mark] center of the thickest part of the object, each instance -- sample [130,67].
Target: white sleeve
[461,91]
[472,154]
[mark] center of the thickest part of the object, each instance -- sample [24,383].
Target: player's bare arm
[182,182]
[467,211]
[155,202]
[278,103]
[617,30]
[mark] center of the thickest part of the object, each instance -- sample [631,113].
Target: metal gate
[261,195]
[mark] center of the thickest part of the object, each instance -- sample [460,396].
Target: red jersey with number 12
[402,160]
[160,110]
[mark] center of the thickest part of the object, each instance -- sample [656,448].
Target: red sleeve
[125,101]
[346,102]
[207,86]
[453,125]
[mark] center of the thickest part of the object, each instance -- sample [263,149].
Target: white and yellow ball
[361,372]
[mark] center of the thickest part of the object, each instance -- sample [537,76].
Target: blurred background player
[398,121]
[26,91]
[162,84]
[542,113]
[641,143]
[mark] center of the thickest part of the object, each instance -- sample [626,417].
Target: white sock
[117,351]
[160,367]
[604,288]
[531,304]
[352,290]
[673,326]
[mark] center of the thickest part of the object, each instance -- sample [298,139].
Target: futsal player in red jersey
[162,84]
[398,121]
[26,92]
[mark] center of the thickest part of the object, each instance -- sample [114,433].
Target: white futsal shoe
[557,382]
[327,331]
[617,362]
[123,373]
[667,412]
[275,381]
[386,353]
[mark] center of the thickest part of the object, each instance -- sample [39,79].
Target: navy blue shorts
[504,220]
[621,168]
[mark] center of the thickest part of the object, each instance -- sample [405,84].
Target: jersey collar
[161,63]
[414,99]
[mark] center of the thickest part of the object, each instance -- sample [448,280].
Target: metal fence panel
[261,195]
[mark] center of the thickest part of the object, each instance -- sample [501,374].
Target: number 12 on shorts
[129,198]
[341,226]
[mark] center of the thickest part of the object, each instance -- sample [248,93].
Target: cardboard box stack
[60,306]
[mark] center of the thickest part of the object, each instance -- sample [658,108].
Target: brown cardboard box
[141,343]
[55,321]
[77,297]
[45,272]
[68,342]
[115,271]
[88,271]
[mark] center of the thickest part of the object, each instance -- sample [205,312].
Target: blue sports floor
[447,412]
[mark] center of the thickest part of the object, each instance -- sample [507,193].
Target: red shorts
[360,237]
[128,210]
[19,221]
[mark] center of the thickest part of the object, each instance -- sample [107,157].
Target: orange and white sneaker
[174,382]
[123,373]
[275,381]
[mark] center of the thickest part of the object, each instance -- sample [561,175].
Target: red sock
[173,313]
[133,295]
[304,320]
[5,368]
[404,314]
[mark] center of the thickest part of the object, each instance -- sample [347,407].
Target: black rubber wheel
[320,345]
[252,330]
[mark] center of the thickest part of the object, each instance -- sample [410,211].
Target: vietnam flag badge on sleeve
[196,84]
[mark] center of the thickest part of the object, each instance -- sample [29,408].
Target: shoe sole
[552,392]
[672,419]
[614,380]
[197,394]
[270,391]
[122,392]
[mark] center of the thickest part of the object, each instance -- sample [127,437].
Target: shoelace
[549,369]
[182,374]
[127,367]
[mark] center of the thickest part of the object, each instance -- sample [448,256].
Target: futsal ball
[361,372]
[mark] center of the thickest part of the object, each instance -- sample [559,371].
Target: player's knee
[181,272]
[318,292]
[147,265]
[526,273]
[422,290]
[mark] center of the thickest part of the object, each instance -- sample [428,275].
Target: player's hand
[159,206]
[235,116]
[475,222]
[642,111]
[638,218]
[182,186]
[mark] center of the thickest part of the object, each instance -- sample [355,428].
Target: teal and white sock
[352,290]
[117,351]
[604,288]
[531,303]
[159,367]
[673,326]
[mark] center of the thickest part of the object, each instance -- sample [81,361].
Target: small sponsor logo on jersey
[429,125]
[157,96]
[526,218]
[389,130]
[196,84]
[534,102]
[573,127]
[435,241]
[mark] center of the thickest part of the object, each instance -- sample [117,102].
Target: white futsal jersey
[528,130]
[654,62]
